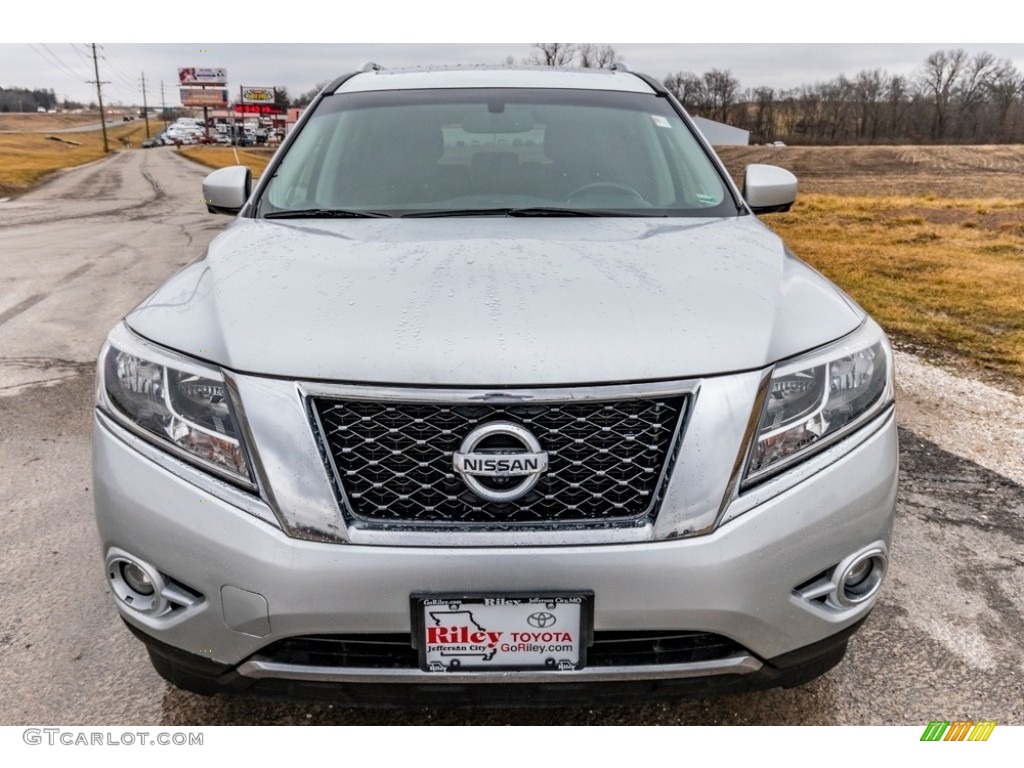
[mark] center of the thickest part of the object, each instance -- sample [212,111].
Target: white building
[720,134]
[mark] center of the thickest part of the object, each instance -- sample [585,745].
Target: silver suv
[495,390]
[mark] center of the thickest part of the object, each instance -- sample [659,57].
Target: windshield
[493,152]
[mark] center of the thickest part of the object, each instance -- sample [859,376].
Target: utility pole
[163,105]
[145,106]
[99,96]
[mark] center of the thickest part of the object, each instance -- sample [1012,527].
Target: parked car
[443,417]
[152,141]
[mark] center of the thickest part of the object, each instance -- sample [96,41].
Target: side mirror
[769,189]
[226,190]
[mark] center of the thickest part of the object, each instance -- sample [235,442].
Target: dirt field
[32,122]
[955,171]
[930,240]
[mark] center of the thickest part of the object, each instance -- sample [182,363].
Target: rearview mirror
[506,121]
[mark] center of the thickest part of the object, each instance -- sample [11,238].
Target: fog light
[861,578]
[137,584]
[137,579]
[858,573]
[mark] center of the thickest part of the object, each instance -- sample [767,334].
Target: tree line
[953,97]
[26,100]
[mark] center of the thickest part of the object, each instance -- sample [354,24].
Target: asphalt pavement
[79,252]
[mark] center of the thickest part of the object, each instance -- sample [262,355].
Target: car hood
[495,301]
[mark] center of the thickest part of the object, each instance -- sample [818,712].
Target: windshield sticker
[660,121]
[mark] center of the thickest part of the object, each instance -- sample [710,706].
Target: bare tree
[764,114]
[937,80]
[972,91]
[305,98]
[868,93]
[553,54]
[720,90]
[1007,85]
[807,107]
[896,96]
[687,87]
[593,56]
[837,109]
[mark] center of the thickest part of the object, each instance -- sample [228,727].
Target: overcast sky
[726,39]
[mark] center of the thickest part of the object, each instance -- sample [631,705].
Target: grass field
[930,240]
[221,157]
[944,274]
[34,122]
[26,158]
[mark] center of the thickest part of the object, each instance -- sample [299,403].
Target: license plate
[502,632]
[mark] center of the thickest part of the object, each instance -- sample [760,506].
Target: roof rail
[656,85]
[370,66]
[337,82]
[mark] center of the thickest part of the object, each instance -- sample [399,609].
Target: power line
[123,72]
[125,81]
[54,65]
[123,93]
[116,72]
[114,59]
[58,59]
[81,55]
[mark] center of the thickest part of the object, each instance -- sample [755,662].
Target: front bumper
[254,585]
[199,675]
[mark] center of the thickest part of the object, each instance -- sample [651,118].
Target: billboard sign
[257,109]
[204,97]
[257,95]
[204,76]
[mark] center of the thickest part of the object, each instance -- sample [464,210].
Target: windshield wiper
[326,213]
[549,211]
[530,211]
[442,212]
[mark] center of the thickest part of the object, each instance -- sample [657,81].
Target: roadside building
[720,134]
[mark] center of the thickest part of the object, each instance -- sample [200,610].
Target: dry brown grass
[933,272]
[930,240]
[221,157]
[27,158]
[34,122]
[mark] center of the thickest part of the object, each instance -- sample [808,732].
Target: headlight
[817,398]
[178,403]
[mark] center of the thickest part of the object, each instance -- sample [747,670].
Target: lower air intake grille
[610,649]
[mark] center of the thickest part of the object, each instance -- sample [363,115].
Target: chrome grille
[392,461]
